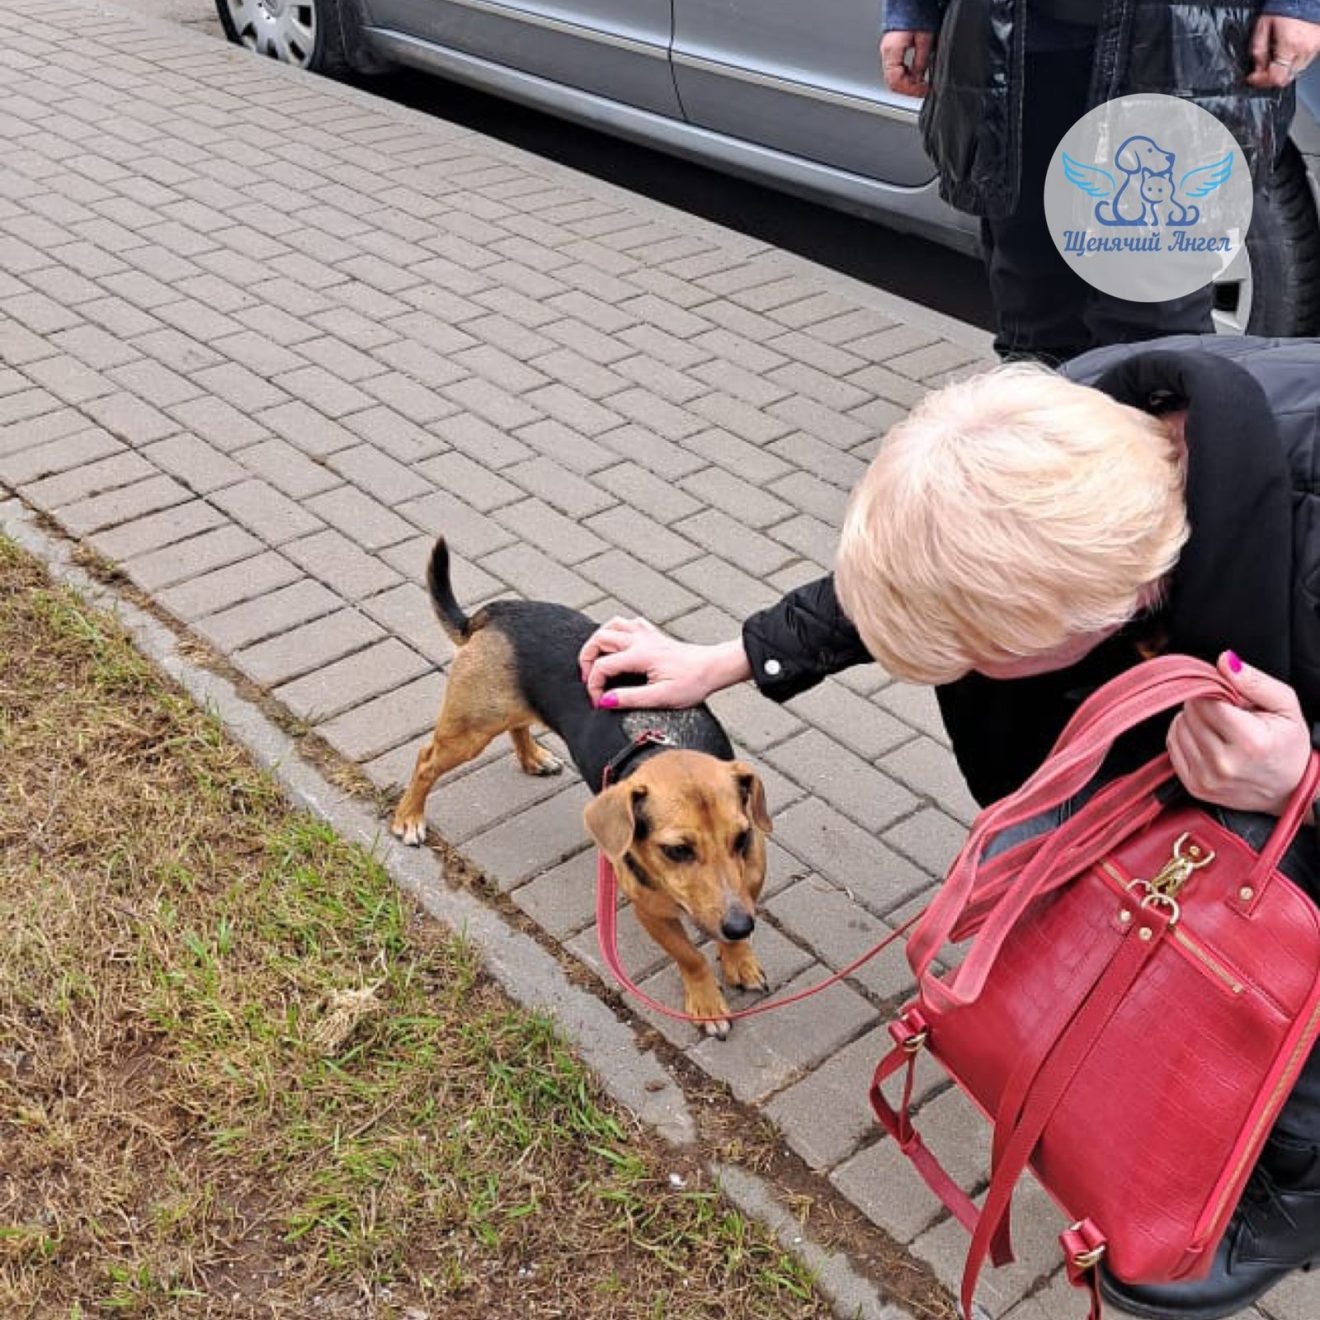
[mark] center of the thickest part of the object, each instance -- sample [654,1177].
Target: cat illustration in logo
[1147,194]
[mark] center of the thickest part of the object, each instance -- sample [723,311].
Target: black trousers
[1043,309]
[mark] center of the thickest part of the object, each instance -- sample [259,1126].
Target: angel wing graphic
[1204,179]
[1089,178]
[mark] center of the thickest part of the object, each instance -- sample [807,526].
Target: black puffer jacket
[971,120]
[1248,579]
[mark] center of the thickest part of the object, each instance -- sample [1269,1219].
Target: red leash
[607,891]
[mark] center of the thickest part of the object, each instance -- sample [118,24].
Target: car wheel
[305,33]
[1274,288]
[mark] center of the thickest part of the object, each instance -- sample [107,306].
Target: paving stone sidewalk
[262,336]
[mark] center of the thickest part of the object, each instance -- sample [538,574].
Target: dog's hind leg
[533,758]
[443,751]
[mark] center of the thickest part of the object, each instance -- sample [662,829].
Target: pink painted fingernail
[1234,663]
[608,700]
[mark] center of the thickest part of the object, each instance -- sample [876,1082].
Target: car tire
[322,36]
[1280,296]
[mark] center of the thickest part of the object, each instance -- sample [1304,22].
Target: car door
[802,78]
[615,48]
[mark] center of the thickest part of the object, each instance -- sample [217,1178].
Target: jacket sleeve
[1305,9]
[924,15]
[801,640]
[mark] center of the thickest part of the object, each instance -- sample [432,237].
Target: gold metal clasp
[1187,857]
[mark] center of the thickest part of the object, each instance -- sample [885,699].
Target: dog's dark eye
[679,852]
[742,842]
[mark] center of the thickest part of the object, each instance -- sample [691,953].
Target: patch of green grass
[241,1074]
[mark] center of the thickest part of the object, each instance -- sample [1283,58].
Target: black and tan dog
[684,823]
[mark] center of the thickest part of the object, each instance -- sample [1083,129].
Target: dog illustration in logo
[1147,194]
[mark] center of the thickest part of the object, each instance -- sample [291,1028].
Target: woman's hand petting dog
[678,674]
[1245,758]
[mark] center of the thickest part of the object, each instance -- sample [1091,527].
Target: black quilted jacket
[1248,579]
[971,119]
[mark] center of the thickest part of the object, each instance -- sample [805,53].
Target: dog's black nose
[737,925]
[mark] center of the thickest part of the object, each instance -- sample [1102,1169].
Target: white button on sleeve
[772,667]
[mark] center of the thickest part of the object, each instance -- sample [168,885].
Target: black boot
[1275,1230]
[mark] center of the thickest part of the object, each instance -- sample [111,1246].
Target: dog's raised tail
[447,609]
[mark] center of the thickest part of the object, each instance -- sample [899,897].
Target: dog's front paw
[546,764]
[741,967]
[706,1002]
[411,831]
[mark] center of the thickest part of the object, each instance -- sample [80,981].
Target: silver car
[785,93]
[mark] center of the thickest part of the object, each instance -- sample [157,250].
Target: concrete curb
[527,973]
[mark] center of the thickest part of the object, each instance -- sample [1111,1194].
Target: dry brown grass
[239,1075]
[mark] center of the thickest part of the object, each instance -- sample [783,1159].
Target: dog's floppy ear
[1127,158]
[752,792]
[611,818]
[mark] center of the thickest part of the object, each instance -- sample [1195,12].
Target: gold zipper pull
[1187,858]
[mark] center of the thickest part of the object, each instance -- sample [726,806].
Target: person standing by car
[1003,80]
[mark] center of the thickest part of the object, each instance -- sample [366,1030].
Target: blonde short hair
[1008,513]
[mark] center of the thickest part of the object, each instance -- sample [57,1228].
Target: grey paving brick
[475,803]
[242,388]
[826,1115]
[154,530]
[306,429]
[84,517]
[667,459]
[265,511]
[818,762]
[497,405]
[654,342]
[752,721]
[763,1053]
[471,533]
[930,837]
[341,565]
[848,856]
[364,519]
[641,489]
[119,469]
[554,440]
[1296,1298]
[310,645]
[287,469]
[738,498]
[349,682]
[536,840]
[396,720]
[68,379]
[536,576]
[820,499]
[839,931]
[278,611]
[228,586]
[571,494]
[559,537]
[486,444]
[736,592]
[379,475]
[23,405]
[191,558]
[415,401]
[197,464]
[1037,1223]
[644,590]
[459,476]
[394,434]
[405,612]
[724,538]
[562,901]
[812,455]
[928,768]
[130,418]
[58,455]
[651,541]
